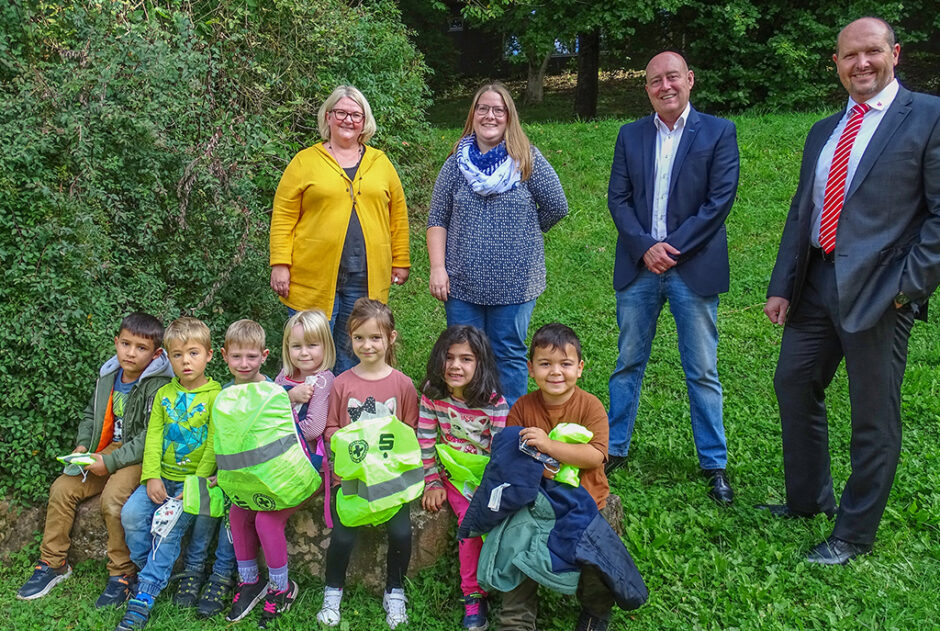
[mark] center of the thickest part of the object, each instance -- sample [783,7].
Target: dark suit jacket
[888,236]
[701,191]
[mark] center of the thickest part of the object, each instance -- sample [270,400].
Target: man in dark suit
[672,183]
[859,257]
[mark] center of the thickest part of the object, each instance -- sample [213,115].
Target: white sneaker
[394,605]
[329,613]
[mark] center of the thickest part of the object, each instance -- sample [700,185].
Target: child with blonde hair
[308,356]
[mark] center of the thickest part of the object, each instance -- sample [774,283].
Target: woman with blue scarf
[493,199]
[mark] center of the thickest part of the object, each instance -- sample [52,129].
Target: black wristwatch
[901,299]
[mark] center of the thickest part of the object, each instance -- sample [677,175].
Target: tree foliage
[142,145]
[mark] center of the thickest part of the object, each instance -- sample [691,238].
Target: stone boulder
[433,535]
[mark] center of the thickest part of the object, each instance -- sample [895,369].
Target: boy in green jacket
[179,443]
[113,428]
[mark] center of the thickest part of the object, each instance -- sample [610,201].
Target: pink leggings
[250,528]
[468,550]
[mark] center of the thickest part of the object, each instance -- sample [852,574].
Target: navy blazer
[888,236]
[701,191]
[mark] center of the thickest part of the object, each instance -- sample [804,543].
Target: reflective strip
[204,502]
[384,489]
[256,456]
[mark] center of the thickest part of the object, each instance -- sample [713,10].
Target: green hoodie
[179,436]
[136,412]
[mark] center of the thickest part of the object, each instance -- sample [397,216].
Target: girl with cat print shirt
[368,388]
[461,410]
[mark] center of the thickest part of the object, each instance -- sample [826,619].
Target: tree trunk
[534,86]
[589,61]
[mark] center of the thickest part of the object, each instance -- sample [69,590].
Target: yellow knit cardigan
[312,207]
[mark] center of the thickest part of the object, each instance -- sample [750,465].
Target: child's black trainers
[187,593]
[215,596]
[246,597]
[276,603]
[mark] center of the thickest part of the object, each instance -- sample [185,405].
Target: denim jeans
[638,308]
[156,564]
[197,552]
[506,326]
[350,287]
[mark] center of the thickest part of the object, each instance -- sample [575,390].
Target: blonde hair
[316,329]
[366,309]
[245,333]
[517,143]
[348,91]
[185,329]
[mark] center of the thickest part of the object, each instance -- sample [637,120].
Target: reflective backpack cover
[262,465]
[465,469]
[379,461]
[573,434]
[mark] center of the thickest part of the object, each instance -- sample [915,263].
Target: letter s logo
[386,442]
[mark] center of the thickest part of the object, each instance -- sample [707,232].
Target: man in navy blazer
[672,184]
[859,257]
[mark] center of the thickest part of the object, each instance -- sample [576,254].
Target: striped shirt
[464,428]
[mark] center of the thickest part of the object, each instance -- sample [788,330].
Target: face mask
[75,464]
[164,519]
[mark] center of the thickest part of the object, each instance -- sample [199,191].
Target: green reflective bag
[573,434]
[262,463]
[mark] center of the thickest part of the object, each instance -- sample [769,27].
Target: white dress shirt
[667,142]
[879,105]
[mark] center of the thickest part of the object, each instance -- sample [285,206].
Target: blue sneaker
[136,615]
[117,591]
[475,610]
[44,578]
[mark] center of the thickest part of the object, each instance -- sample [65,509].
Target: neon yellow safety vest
[201,499]
[465,469]
[573,434]
[379,461]
[262,464]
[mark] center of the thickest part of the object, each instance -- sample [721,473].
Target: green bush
[142,145]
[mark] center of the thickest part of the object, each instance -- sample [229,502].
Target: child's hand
[156,491]
[536,438]
[98,468]
[212,480]
[433,498]
[80,449]
[300,394]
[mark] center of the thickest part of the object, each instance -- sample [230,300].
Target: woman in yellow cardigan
[339,229]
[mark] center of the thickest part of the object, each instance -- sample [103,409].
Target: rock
[433,535]
[18,526]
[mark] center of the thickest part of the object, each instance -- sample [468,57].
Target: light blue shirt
[879,105]
[667,143]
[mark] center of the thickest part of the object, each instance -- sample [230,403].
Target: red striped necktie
[835,184]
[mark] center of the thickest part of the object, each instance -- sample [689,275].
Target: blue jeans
[197,553]
[155,565]
[350,287]
[506,326]
[638,307]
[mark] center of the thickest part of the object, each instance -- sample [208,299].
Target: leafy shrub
[142,145]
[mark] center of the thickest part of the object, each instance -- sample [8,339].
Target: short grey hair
[368,123]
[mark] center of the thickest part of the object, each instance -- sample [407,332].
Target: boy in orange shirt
[555,364]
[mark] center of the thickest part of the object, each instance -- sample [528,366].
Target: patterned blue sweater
[494,253]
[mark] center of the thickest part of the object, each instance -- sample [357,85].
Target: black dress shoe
[614,463]
[721,490]
[835,551]
[783,511]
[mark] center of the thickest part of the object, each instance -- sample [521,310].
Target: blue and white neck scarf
[487,173]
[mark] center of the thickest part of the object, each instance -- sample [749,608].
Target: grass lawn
[706,567]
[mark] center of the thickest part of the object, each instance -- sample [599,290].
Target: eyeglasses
[342,115]
[483,110]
